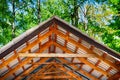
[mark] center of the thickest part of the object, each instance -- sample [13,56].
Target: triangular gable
[56,36]
[34,31]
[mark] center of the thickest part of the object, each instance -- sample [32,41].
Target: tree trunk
[75,13]
[72,19]
[13,14]
[38,10]
[2,13]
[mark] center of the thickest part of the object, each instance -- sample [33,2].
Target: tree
[98,18]
[5,25]
[112,36]
[38,10]
[13,23]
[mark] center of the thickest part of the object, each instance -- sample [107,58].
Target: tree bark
[13,24]
[38,10]
[75,14]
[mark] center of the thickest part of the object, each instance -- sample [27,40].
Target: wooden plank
[45,46]
[55,63]
[49,55]
[52,77]
[83,60]
[86,49]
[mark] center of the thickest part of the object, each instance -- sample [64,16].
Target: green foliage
[100,19]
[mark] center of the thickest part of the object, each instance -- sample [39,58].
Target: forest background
[99,19]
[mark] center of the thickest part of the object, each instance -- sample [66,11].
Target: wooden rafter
[79,34]
[40,74]
[28,70]
[37,74]
[86,49]
[54,55]
[83,60]
[49,69]
[81,71]
[69,72]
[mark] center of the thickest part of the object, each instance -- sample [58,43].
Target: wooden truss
[49,42]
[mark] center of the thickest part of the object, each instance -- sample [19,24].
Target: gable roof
[57,36]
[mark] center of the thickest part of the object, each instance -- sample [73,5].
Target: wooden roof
[41,53]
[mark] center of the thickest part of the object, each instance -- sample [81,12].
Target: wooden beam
[69,72]
[33,67]
[19,60]
[55,63]
[83,60]
[54,55]
[55,69]
[86,49]
[48,70]
[54,37]
[45,46]
[80,70]
[52,77]
[56,72]
[45,71]
[96,64]
[115,76]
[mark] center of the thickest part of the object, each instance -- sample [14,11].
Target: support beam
[56,63]
[53,77]
[54,55]
[69,72]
